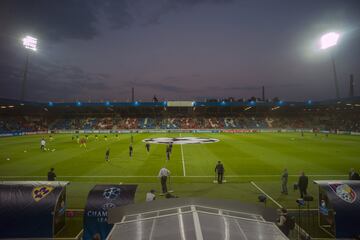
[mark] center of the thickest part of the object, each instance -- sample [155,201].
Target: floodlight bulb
[329,40]
[30,43]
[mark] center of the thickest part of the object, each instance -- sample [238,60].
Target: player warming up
[147,146]
[107,154]
[168,153]
[170,147]
[130,150]
[83,142]
[42,144]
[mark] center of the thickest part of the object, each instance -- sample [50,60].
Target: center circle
[180,140]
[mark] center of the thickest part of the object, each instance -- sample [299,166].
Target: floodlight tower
[30,43]
[329,40]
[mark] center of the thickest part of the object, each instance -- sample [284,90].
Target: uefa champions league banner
[100,199]
[31,209]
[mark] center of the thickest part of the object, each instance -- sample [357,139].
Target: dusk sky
[178,49]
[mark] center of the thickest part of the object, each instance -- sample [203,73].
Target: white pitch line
[278,204]
[182,159]
[132,176]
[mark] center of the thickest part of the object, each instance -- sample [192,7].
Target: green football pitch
[253,163]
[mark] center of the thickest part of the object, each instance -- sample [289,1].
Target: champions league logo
[41,192]
[111,193]
[181,140]
[344,191]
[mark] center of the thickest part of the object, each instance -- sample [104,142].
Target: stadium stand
[326,116]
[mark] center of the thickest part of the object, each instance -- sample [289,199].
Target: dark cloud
[77,19]
[51,81]
[272,86]
[160,86]
[117,13]
[149,12]
[49,19]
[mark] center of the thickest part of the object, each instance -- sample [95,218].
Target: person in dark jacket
[51,176]
[284,181]
[219,169]
[303,184]
[282,222]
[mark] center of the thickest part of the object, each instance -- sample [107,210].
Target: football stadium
[179,119]
[255,142]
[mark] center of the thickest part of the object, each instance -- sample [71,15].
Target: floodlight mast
[329,40]
[30,43]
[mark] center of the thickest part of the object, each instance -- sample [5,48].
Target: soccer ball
[7,159]
[25,151]
[53,150]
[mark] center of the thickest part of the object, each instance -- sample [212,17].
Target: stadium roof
[195,222]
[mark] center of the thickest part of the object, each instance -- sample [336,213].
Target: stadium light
[31,44]
[329,40]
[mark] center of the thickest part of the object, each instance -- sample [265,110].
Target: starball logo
[41,192]
[110,194]
[344,192]
[180,140]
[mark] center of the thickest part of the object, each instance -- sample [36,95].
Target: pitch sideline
[154,176]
